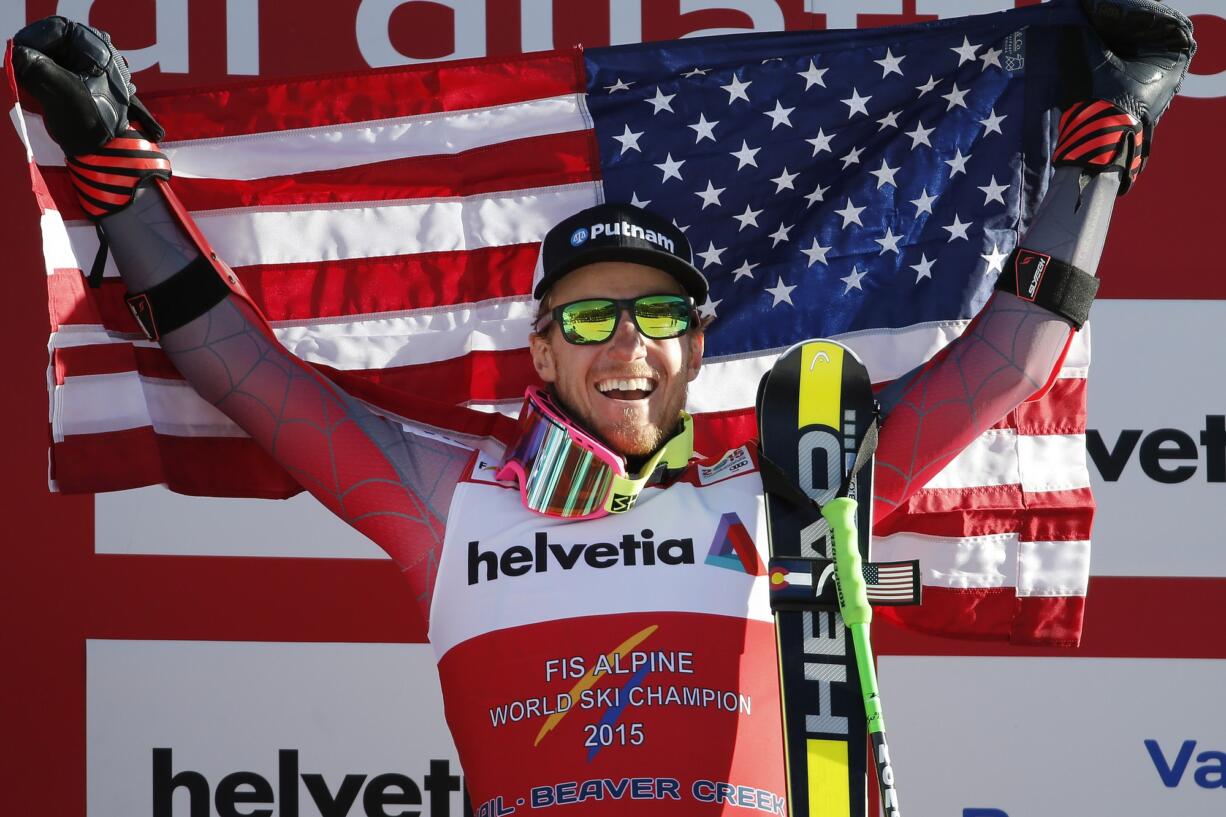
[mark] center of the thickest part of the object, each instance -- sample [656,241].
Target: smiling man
[598,638]
[619,377]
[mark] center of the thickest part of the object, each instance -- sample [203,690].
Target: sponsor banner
[1031,737]
[178,728]
[241,38]
[1157,438]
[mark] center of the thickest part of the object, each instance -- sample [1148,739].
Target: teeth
[626,384]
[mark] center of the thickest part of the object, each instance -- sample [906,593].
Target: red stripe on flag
[480,376]
[717,431]
[539,161]
[330,289]
[68,303]
[366,286]
[1061,411]
[995,614]
[203,466]
[1131,617]
[273,104]
[1048,516]
[485,376]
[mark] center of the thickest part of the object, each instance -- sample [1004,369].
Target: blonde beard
[635,440]
[630,438]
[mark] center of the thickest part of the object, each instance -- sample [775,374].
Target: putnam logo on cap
[626,230]
[579,236]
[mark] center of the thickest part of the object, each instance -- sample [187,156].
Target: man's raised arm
[1012,350]
[391,485]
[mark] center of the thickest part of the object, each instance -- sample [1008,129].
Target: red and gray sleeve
[392,485]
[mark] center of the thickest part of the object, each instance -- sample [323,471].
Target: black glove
[82,83]
[1141,56]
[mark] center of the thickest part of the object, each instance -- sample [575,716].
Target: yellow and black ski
[817,422]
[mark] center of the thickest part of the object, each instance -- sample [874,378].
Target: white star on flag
[994,192]
[814,76]
[852,157]
[710,196]
[671,168]
[958,163]
[956,97]
[850,214]
[966,51]
[996,259]
[930,85]
[856,103]
[784,181]
[818,194]
[957,229]
[629,139]
[992,123]
[890,120]
[923,269]
[618,85]
[736,89]
[780,115]
[781,234]
[745,156]
[781,292]
[749,218]
[885,175]
[661,101]
[924,203]
[991,57]
[890,64]
[696,72]
[706,309]
[889,242]
[920,135]
[711,255]
[820,142]
[637,202]
[745,270]
[853,280]
[816,253]
[704,129]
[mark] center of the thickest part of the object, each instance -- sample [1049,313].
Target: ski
[817,424]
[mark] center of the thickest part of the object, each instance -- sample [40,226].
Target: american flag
[859,185]
[891,582]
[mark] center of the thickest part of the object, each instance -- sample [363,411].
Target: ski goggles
[594,320]
[563,471]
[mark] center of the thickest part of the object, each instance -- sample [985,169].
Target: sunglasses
[594,320]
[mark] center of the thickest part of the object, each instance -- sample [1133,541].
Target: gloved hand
[1119,79]
[82,83]
[1144,57]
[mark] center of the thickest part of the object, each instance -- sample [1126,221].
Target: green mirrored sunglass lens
[589,320]
[662,316]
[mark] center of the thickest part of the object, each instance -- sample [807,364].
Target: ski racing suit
[606,661]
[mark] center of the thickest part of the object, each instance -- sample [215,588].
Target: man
[587,656]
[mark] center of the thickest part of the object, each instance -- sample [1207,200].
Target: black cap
[617,232]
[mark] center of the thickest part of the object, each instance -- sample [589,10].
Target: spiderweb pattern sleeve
[1005,355]
[388,483]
